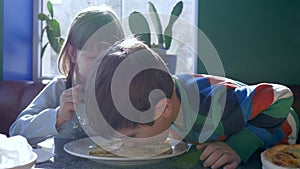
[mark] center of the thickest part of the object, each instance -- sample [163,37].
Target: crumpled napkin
[45,150]
[14,151]
[43,155]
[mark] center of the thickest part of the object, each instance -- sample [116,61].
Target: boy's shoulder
[186,79]
[206,79]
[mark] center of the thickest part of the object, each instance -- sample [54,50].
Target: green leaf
[177,9]
[54,27]
[157,23]
[168,37]
[42,33]
[140,27]
[43,49]
[60,42]
[53,40]
[43,17]
[50,8]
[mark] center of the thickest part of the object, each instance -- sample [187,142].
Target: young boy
[139,98]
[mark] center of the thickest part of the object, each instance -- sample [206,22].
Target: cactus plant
[140,27]
[52,29]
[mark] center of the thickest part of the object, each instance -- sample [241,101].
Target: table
[67,161]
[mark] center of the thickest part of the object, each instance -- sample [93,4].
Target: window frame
[37,46]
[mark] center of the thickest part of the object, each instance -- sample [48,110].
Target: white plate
[266,164]
[80,148]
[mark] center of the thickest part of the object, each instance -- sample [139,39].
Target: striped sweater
[246,117]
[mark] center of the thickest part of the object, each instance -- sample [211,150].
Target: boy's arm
[250,114]
[268,106]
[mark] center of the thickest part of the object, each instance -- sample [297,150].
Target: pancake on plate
[281,157]
[146,150]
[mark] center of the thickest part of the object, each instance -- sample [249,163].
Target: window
[184,39]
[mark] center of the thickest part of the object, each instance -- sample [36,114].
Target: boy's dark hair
[141,85]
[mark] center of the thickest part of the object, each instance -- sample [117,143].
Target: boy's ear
[71,52]
[163,108]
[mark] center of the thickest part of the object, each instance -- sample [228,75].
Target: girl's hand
[69,100]
[218,154]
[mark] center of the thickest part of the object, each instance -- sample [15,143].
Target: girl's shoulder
[57,82]
[59,79]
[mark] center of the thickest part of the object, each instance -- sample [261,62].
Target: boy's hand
[217,154]
[69,99]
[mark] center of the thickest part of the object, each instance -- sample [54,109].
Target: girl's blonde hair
[83,26]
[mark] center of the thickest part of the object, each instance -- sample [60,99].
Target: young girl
[51,113]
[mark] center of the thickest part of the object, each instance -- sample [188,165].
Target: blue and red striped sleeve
[251,113]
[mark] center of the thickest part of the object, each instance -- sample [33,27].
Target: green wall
[257,40]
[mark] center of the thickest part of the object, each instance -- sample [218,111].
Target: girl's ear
[163,108]
[71,52]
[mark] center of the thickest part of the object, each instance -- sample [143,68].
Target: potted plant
[139,26]
[52,28]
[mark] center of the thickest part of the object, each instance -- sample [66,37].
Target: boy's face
[144,134]
[159,131]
